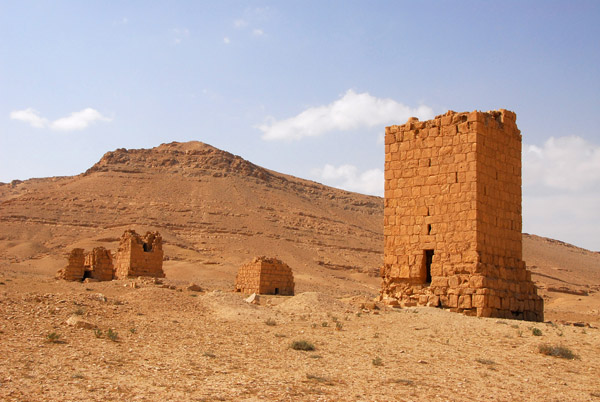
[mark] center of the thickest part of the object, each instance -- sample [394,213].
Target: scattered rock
[78,322]
[194,288]
[253,299]
[98,297]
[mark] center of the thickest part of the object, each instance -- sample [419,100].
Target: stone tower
[139,256]
[452,220]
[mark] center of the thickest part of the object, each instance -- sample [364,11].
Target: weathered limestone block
[265,276]
[452,217]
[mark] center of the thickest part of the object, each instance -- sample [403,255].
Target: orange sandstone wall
[139,256]
[265,276]
[99,264]
[452,220]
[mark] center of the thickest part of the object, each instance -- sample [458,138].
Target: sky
[306,87]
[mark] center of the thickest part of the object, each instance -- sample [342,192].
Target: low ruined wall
[75,268]
[99,265]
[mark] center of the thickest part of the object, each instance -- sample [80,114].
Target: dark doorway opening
[428,257]
[276,291]
[86,274]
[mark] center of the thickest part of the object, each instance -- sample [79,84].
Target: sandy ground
[172,344]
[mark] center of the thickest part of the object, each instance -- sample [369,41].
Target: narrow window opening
[429,228]
[87,274]
[456,177]
[427,211]
[429,162]
[147,247]
[276,291]
[428,259]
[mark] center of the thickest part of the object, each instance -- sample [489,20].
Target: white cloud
[75,121]
[561,190]
[226,40]
[180,34]
[352,111]
[30,116]
[240,23]
[564,163]
[257,32]
[348,177]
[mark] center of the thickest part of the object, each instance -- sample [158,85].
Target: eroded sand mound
[309,302]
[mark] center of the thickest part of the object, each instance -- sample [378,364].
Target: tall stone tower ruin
[452,223]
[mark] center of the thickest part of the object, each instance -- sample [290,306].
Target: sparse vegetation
[377,362]
[317,378]
[79,311]
[324,324]
[302,345]
[53,337]
[112,335]
[98,333]
[271,322]
[210,354]
[557,351]
[485,361]
[132,330]
[339,326]
[536,331]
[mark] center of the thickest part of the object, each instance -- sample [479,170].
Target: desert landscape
[189,336]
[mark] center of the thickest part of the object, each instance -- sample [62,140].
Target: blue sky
[305,88]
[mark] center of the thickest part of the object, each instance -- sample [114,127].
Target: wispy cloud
[75,121]
[226,40]
[257,32]
[561,190]
[348,177]
[30,116]
[352,111]
[180,34]
[240,23]
[567,164]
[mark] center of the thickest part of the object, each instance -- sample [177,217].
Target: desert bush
[79,311]
[210,354]
[485,361]
[536,331]
[324,324]
[98,333]
[339,326]
[271,322]
[112,335]
[302,345]
[53,337]
[557,351]
[377,361]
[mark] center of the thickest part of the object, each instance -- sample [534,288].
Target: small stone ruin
[139,256]
[267,276]
[136,256]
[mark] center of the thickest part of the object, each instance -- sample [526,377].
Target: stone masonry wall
[75,269]
[265,276]
[139,256]
[99,265]
[452,220]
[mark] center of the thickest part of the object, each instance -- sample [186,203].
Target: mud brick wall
[265,276]
[75,268]
[139,256]
[99,265]
[452,220]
